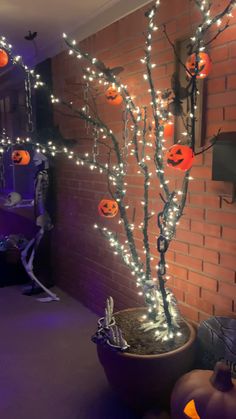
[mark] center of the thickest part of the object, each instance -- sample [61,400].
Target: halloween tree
[143,141]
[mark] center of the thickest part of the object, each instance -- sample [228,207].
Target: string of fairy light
[161,307]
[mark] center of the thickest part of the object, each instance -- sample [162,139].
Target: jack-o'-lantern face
[20,157]
[180,157]
[113,96]
[204,65]
[108,208]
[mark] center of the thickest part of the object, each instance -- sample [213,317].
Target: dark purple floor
[48,365]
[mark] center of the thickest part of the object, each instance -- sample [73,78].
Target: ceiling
[50,18]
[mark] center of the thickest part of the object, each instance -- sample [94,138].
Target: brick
[185,286]
[178,246]
[203,281]
[218,272]
[232,49]
[217,300]
[220,245]
[201,172]
[231,82]
[208,159]
[223,67]
[221,217]
[228,261]
[226,98]
[207,201]
[226,126]
[194,213]
[227,290]
[189,237]
[179,294]
[218,187]
[215,114]
[188,312]
[197,186]
[220,54]
[205,228]
[177,271]
[216,85]
[226,36]
[229,233]
[221,311]
[184,223]
[199,303]
[230,113]
[205,254]
[189,262]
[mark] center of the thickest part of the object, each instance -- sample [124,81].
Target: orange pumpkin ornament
[204,65]
[204,394]
[3,58]
[168,130]
[20,157]
[113,96]
[108,208]
[180,157]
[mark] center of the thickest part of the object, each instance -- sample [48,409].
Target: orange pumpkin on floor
[204,394]
[108,208]
[3,58]
[204,65]
[20,157]
[180,157]
[113,96]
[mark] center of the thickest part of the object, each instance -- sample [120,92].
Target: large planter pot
[143,381]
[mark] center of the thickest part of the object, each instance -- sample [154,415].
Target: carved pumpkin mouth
[174,163]
[17,159]
[112,97]
[106,213]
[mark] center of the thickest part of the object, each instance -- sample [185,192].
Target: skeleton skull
[13,199]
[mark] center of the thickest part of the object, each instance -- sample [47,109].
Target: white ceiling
[50,18]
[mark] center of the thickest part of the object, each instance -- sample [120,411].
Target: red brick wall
[202,258]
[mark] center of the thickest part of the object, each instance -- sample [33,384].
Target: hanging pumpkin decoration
[180,157]
[3,58]
[204,394]
[108,208]
[113,96]
[204,65]
[20,157]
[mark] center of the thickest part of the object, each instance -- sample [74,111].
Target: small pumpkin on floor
[205,394]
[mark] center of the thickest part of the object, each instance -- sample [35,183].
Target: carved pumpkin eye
[108,208]
[113,96]
[203,68]
[191,411]
[180,157]
[20,157]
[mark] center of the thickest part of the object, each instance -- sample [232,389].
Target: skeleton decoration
[43,220]
[108,332]
[13,199]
